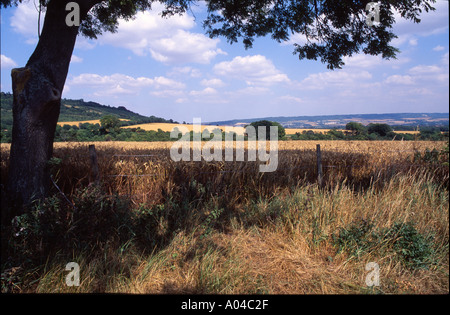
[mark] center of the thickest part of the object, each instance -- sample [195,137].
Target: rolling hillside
[80,110]
[337,121]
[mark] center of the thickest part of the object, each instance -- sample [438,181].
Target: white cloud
[160,82]
[339,78]
[185,47]
[413,42]
[206,91]
[254,70]
[25,21]
[422,69]
[167,40]
[369,61]
[432,23]
[290,98]
[76,59]
[399,79]
[113,91]
[298,38]
[185,71]
[181,100]
[431,73]
[208,95]
[167,93]
[7,63]
[250,91]
[444,60]
[212,83]
[123,84]
[438,48]
[362,61]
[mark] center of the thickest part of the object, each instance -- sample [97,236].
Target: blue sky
[169,68]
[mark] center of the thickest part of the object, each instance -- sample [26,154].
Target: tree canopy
[267,124]
[355,127]
[380,129]
[332,29]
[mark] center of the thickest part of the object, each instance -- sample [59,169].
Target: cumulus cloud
[290,98]
[167,40]
[76,59]
[185,47]
[206,91]
[432,23]
[185,71]
[370,62]
[254,70]
[444,60]
[25,21]
[438,48]
[212,83]
[7,63]
[425,69]
[341,78]
[400,79]
[117,84]
[431,73]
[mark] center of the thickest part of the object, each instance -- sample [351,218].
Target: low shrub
[411,248]
[53,224]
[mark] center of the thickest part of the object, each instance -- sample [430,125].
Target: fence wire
[298,167]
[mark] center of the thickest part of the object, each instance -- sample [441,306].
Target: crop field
[153,225]
[76,123]
[169,127]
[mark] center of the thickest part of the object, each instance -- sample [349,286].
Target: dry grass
[281,257]
[243,232]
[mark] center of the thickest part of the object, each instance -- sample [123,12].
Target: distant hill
[338,121]
[79,110]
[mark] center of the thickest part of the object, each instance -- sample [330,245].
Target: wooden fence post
[94,176]
[319,166]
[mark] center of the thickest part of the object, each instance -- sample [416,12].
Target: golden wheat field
[77,123]
[339,145]
[169,127]
[156,226]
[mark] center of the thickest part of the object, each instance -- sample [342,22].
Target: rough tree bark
[37,90]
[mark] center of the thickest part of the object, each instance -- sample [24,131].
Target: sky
[169,68]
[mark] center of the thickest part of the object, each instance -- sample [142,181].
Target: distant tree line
[357,131]
[110,129]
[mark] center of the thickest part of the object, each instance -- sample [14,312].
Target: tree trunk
[37,90]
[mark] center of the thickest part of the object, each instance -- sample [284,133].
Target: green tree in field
[334,29]
[355,127]
[268,124]
[110,123]
[430,133]
[380,129]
